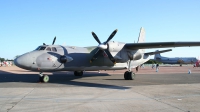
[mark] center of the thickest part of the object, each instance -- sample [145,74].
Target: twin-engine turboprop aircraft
[109,55]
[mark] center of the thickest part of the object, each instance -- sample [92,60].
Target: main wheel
[126,75]
[75,73]
[78,73]
[131,75]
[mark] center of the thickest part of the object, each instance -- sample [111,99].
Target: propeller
[52,42]
[103,47]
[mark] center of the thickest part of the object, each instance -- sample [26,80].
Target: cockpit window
[54,49]
[48,49]
[42,48]
[37,48]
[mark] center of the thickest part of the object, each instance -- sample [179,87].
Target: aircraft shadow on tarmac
[56,78]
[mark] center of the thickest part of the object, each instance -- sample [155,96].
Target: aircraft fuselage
[48,58]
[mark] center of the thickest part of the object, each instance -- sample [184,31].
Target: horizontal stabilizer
[158,52]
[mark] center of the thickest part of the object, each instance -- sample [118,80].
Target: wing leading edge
[150,45]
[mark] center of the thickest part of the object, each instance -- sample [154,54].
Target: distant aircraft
[108,55]
[175,60]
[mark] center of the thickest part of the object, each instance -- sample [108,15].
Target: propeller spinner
[103,47]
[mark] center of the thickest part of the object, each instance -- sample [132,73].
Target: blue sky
[26,24]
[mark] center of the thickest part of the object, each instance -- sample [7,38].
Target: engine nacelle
[135,55]
[115,46]
[64,59]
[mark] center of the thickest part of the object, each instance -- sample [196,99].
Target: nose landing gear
[43,78]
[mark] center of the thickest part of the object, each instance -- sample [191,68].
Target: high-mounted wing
[157,52]
[150,45]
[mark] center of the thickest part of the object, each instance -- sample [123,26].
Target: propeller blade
[64,50]
[44,44]
[102,47]
[96,38]
[110,56]
[54,40]
[96,55]
[111,36]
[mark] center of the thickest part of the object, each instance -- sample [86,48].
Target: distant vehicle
[197,64]
[175,60]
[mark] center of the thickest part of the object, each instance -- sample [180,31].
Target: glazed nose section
[23,61]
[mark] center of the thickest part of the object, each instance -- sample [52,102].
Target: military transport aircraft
[175,60]
[108,55]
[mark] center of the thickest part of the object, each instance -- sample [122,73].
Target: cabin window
[54,49]
[48,49]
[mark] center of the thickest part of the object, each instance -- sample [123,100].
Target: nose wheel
[43,78]
[129,75]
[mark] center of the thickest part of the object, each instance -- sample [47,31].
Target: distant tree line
[2,59]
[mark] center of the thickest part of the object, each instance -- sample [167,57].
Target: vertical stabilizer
[141,37]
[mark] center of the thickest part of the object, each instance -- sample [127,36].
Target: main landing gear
[129,75]
[43,78]
[78,73]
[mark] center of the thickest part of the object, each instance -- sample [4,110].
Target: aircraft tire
[45,78]
[75,73]
[126,75]
[131,75]
[78,73]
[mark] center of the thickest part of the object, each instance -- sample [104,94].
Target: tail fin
[157,56]
[141,38]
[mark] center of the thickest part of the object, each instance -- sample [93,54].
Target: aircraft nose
[23,61]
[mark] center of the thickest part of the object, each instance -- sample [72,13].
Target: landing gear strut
[78,73]
[43,78]
[129,75]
